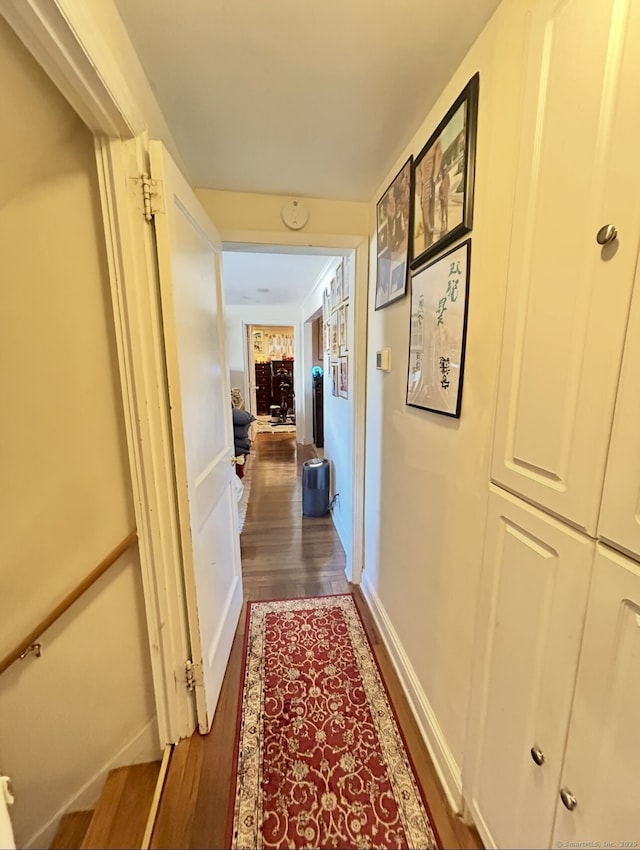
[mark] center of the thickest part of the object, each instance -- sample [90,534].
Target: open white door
[189,249]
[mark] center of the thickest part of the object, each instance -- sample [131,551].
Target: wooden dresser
[263,388]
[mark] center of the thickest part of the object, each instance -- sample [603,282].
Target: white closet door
[603,751]
[620,512]
[568,297]
[535,579]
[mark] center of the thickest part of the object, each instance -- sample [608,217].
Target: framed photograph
[346,274]
[342,325]
[393,214]
[326,305]
[334,379]
[438,331]
[443,179]
[343,377]
[339,283]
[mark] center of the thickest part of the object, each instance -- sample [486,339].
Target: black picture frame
[449,157]
[393,223]
[438,332]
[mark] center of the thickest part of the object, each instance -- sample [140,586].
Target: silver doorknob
[568,798]
[606,234]
[537,755]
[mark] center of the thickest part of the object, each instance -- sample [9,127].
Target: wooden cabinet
[537,577]
[274,385]
[263,388]
[568,297]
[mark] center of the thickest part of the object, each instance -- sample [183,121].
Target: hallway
[284,555]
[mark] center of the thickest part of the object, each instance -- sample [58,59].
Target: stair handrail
[23,647]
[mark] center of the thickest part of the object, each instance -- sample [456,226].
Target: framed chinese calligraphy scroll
[439,297]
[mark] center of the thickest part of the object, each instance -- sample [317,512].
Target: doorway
[270,376]
[268,285]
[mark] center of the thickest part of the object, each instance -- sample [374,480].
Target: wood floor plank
[120,816]
[71,830]
[284,555]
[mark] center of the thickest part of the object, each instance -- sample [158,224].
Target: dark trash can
[315,487]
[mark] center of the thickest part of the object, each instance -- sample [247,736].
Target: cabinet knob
[537,755]
[568,799]
[606,234]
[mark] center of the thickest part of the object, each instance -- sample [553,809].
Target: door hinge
[150,197]
[191,673]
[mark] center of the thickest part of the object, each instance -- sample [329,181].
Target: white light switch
[383,359]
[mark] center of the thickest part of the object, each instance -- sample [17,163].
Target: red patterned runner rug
[321,762]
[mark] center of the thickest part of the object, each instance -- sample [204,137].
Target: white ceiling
[287,278]
[297,97]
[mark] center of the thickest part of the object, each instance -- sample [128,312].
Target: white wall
[338,418]
[238,215]
[66,498]
[82,708]
[426,475]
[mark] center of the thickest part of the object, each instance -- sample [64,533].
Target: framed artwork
[342,324]
[443,179]
[334,333]
[393,214]
[327,337]
[326,305]
[334,379]
[332,294]
[258,341]
[343,377]
[339,283]
[439,297]
[346,274]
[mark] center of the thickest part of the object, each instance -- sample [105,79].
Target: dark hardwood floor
[284,555]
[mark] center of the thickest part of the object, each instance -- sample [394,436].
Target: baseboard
[141,748]
[348,568]
[221,644]
[445,764]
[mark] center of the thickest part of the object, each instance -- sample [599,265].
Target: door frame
[66,42]
[333,245]
[249,361]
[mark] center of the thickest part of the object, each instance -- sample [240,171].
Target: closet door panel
[536,575]
[603,750]
[568,297]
